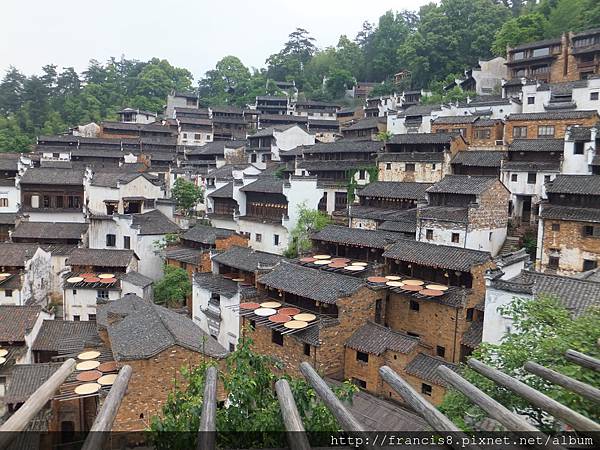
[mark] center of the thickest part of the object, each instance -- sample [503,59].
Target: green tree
[187,195]
[309,222]
[289,63]
[544,331]
[519,30]
[567,15]
[173,288]
[11,91]
[254,409]
[337,83]
[384,136]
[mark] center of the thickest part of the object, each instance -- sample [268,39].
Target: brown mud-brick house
[419,157]
[228,123]
[244,262]
[585,48]
[478,162]
[546,125]
[455,124]
[387,201]
[465,211]
[440,322]
[193,252]
[569,225]
[341,303]
[354,243]
[365,128]
[487,133]
[156,358]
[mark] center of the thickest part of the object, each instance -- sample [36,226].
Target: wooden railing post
[208,428]
[296,435]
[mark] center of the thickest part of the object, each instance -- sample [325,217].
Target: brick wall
[560,127]
[493,209]
[425,172]
[234,239]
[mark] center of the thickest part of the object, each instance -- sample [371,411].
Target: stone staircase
[511,244]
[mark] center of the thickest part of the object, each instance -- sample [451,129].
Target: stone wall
[560,127]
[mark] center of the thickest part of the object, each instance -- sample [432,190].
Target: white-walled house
[575,294]
[142,233]
[580,151]
[265,144]
[122,192]
[19,327]
[579,95]
[28,269]
[130,115]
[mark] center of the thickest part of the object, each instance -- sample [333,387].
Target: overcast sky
[193,34]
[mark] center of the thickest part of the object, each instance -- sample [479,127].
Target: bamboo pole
[583,360]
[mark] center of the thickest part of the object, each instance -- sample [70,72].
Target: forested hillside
[436,43]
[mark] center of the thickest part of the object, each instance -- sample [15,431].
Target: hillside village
[438,214]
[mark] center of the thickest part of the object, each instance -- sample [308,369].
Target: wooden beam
[208,427]
[104,420]
[542,401]
[347,421]
[495,410]
[571,384]
[296,435]
[583,360]
[34,404]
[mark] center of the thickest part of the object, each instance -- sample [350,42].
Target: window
[3,202]
[74,201]
[253,158]
[530,100]
[8,293]
[111,240]
[556,227]
[589,264]
[307,349]
[429,234]
[518,55]
[102,293]
[470,313]
[553,262]
[591,231]
[440,351]
[361,174]
[252,325]
[74,291]
[462,131]
[594,95]
[361,356]
[46,201]
[546,130]
[410,333]
[92,317]
[531,178]
[409,167]
[276,337]
[546,178]
[388,166]
[198,136]
[59,201]
[455,238]
[433,166]
[190,102]
[540,52]
[519,132]
[76,318]
[258,237]
[231,347]
[426,389]
[275,239]
[208,137]
[360,383]
[483,134]
[514,177]
[578,148]
[126,242]
[414,306]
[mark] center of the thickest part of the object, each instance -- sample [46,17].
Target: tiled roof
[576,295]
[59,336]
[205,234]
[392,189]
[154,222]
[223,192]
[473,335]
[398,226]
[376,339]
[424,367]
[344,146]
[137,279]
[536,44]
[574,184]
[100,257]
[17,321]
[325,166]
[531,166]
[437,256]
[50,230]
[265,185]
[419,110]
[433,157]
[15,254]
[453,120]
[113,178]
[463,184]
[580,133]
[226,172]
[184,254]
[315,284]
[447,213]
[268,132]
[408,216]
[247,259]
[559,212]
[537,145]
[47,175]
[130,319]
[479,158]
[8,218]
[26,379]
[216,283]
[424,138]
[363,124]
[216,148]
[356,236]
[553,115]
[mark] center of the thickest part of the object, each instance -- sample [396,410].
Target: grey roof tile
[479,158]
[100,257]
[553,115]
[574,184]
[223,192]
[17,321]
[463,184]
[447,213]
[559,212]
[424,367]
[376,339]
[153,223]
[473,336]
[392,189]
[47,175]
[356,236]
[59,335]
[537,145]
[265,185]
[15,254]
[50,230]
[204,234]
[137,279]
[247,259]
[344,146]
[26,379]
[424,138]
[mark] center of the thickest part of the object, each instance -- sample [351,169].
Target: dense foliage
[187,195]
[252,417]
[435,44]
[543,331]
[309,221]
[173,288]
